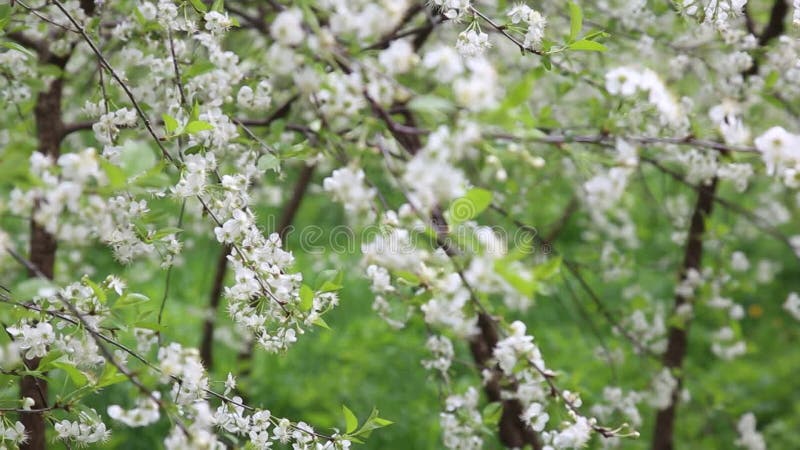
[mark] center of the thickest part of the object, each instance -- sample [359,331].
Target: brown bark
[677,342]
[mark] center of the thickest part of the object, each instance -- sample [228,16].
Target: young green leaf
[350,419]
[587,46]
[199,6]
[170,124]
[269,162]
[130,299]
[306,298]
[116,176]
[575,20]
[469,206]
[197,126]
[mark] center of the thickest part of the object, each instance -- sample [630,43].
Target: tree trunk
[42,254]
[678,336]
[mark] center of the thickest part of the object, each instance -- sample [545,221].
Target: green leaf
[409,277]
[469,206]
[110,376]
[492,413]
[373,422]
[170,124]
[350,420]
[78,378]
[575,20]
[130,299]
[547,63]
[116,176]
[164,232]
[329,280]
[269,162]
[587,46]
[306,298]
[320,322]
[526,286]
[196,69]
[199,6]
[548,269]
[197,126]
[5,16]
[154,177]
[218,5]
[14,46]
[99,292]
[47,361]
[136,157]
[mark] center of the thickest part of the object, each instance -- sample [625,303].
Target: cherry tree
[638,155]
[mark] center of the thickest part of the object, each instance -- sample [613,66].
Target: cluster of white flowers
[649,334]
[259,100]
[627,81]
[215,86]
[394,250]
[724,345]
[472,42]
[442,349]
[182,366]
[88,429]
[575,435]
[447,307]
[106,129]
[780,151]
[616,400]
[445,62]
[348,186]
[727,117]
[535,21]
[287,27]
[792,305]
[749,437]
[363,19]
[717,12]
[692,280]
[477,90]
[69,207]
[605,189]
[12,86]
[259,427]
[145,412]
[400,57]
[461,422]
[536,416]
[342,96]
[517,348]
[217,22]
[33,340]
[12,434]
[432,180]
[453,9]
[663,388]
